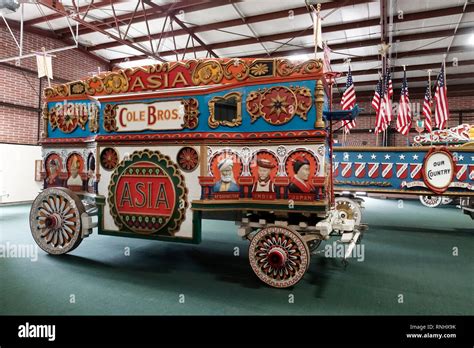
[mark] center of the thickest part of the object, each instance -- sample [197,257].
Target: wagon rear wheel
[431,201]
[55,220]
[279,256]
[349,209]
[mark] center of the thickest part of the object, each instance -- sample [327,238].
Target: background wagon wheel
[279,256]
[431,201]
[349,209]
[55,220]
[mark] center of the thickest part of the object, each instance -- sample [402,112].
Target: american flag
[427,102]
[377,105]
[404,110]
[441,100]
[388,97]
[348,101]
[384,115]
[376,98]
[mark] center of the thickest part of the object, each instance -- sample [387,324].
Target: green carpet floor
[408,251]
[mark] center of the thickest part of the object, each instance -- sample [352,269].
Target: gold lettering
[138,82]
[179,78]
[154,81]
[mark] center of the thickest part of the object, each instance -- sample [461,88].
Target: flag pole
[446,89]
[431,128]
[408,133]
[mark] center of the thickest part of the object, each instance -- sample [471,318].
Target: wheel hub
[53,221]
[345,207]
[277,257]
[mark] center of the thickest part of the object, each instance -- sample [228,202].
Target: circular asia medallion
[147,194]
[188,159]
[438,170]
[109,158]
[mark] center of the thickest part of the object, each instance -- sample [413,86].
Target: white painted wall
[17,173]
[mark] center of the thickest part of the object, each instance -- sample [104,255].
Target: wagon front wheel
[55,220]
[279,256]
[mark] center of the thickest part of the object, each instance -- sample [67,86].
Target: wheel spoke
[60,236]
[45,232]
[55,237]
[50,236]
[48,207]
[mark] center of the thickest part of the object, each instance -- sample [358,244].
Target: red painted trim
[432,151]
[170,93]
[315,133]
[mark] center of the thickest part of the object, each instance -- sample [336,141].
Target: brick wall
[363,133]
[21,87]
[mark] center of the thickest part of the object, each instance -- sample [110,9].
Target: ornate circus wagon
[150,152]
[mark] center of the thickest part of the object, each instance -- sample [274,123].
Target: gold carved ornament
[285,67]
[110,123]
[277,105]
[46,120]
[191,113]
[208,71]
[94,120]
[213,123]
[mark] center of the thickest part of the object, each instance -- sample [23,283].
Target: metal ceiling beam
[283,14]
[342,45]
[188,5]
[183,26]
[78,19]
[54,16]
[371,58]
[260,18]
[46,33]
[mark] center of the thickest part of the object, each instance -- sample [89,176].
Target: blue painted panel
[259,125]
[395,170]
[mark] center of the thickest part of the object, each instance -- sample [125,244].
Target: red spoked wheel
[279,256]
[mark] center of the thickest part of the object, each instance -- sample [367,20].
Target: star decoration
[472,158]
[402,157]
[346,156]
[415,157]
[461,158]
[373,156]
[334,156]
[383,48]
[387,156]
[359,156]
[278,105]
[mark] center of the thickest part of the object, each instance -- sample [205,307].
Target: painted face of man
[226,174]
[304,172]
[74,172]
[52,168]
[263,173]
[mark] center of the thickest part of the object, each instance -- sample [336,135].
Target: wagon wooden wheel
[55,220]
[431,201]
[279,256]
